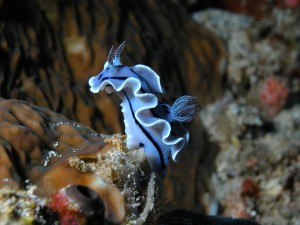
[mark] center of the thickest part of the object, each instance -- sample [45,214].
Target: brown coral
[33,137]
[35,145]
[41,148]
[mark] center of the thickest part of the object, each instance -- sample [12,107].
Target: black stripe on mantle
[163,166]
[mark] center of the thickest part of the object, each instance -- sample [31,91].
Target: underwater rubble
[256,124]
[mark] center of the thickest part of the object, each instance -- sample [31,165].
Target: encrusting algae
[22,207]
[126,170]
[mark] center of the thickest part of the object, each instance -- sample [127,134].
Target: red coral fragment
[78,205]
[250,188]
[273,96]
[68,212]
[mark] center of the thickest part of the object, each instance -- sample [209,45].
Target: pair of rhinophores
[149,123]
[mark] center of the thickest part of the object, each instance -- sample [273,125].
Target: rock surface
[257,167]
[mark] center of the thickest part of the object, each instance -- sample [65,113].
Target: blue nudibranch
[149,123]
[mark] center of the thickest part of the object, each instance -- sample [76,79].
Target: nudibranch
[150,124]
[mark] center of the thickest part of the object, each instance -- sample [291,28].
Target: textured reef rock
[23,207]
[48,161]
[257,169]
[256,123]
